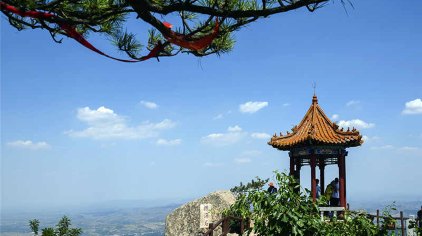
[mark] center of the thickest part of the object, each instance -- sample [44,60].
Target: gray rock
[185,220]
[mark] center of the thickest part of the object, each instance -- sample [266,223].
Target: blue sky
[78,128]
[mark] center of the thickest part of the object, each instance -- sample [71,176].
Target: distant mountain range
[134,218]
[101,222]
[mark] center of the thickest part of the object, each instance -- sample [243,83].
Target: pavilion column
[292,165]
[345,185]
[297,172]
[313,177]
[298,167]
[342,174]
[322,175]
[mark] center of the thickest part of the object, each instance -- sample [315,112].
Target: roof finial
[314,99]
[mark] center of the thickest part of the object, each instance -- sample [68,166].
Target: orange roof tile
[316,129]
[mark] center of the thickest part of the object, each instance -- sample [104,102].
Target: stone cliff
[185,220]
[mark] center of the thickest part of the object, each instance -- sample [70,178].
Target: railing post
[211,226]
[402,223]
[225,226]
[313,178]
[322,215]
[378,218]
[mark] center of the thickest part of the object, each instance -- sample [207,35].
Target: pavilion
[317,141]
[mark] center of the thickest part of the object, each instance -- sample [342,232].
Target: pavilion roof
[316,129]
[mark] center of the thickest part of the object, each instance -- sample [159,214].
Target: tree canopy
[203,27]
[62,228]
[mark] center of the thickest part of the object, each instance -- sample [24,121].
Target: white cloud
[108,145]
[165,142]
[28,144]
[233,135]
[221,139]
[252,107]
[352,103]
[335,117]
[243,160]
[373,138]
[260,135]
[357,123]
[409,149]
[222,115]
[251,153]
[149,105]
[164,124]
[235,128]
[218,117]
[413,107]
[414,151]
[384,147]
[212,164]
[101,115]
[286,104]
[104,123]
[246,156]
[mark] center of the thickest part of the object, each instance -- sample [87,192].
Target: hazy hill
[130,218]
[105,222]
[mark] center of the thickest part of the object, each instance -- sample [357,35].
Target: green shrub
[293,212]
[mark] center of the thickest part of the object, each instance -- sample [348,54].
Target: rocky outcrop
[185,220]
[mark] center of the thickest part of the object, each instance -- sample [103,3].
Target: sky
[78,128]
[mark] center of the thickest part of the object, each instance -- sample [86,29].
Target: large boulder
[185,220]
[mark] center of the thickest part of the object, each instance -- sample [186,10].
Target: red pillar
[292,165]
[297,172]
[322,175]
[313,181]
[342,180]
[344,175]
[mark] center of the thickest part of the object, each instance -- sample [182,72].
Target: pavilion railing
[244,224]
[376,219]
[225,226]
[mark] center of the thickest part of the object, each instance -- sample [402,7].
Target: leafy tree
[62,228]
[204,26]
[34,225]
[48,232]
[292,212]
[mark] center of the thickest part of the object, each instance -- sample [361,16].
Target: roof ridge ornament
[335,126]
[314,98]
